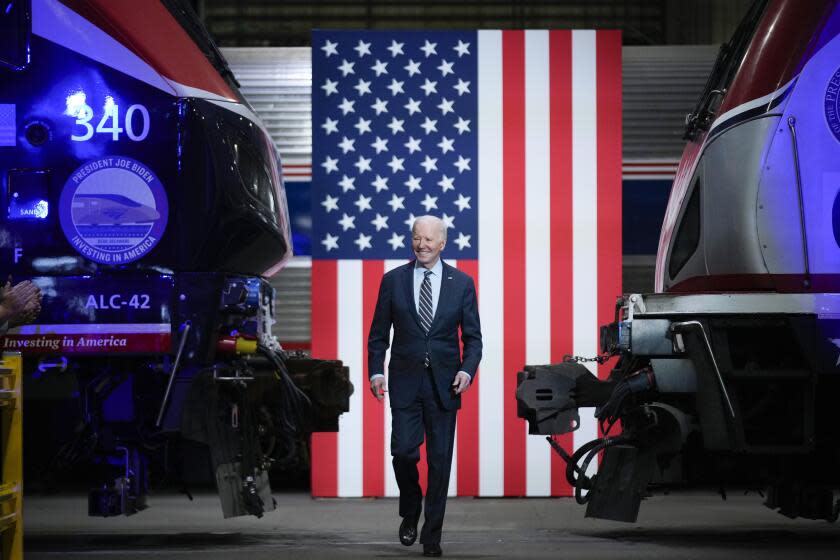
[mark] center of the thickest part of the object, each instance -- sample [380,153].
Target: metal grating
[277,82]
[660,85]
[292,303]
[288,23]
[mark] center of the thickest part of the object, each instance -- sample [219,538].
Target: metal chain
[580,359]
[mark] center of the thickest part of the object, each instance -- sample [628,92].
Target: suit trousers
[425,415]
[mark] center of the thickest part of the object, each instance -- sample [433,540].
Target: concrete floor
[676,526]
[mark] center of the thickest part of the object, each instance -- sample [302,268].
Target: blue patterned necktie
[426,313]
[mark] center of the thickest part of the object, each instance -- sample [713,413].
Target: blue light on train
[42,209]
[29,190]
[8,126]
[75,103]
[28,209]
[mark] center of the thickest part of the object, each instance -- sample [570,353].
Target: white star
[362,48]
[429,87]
[445,144]
[346,68]
[413,144]
[413,184]
[330,126]
[412,106]
[463,164]
[380,183]
[380,67]
[429,48]
[330,203]
[412,68]
[836,342]
[347,222]
[380,145]
[396,125]
[445,106]
[330,242]
[396,202]
[445,68]
[362,126]
[396,87]
[330,48]
[396,48]
[448,221]
[346,106]
[363,241]
[462,87]
[347,183]
[429,202]
[330,165]
[363,164]
[362,87]
[463,241]
[463,202]
[462,125]
[380,106]
[396,164]
[396,241]
[409,222]
[462,48]
[346,145]
[363,202]
[429,125]
[447,183]
[381,222]
[429,164]
[330,87]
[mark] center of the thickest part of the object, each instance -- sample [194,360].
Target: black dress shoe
[408,531]
[432,550]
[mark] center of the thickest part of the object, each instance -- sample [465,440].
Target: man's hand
[461,383]
[20,303]
[377,387]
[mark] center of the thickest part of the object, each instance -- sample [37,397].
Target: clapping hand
[19,303]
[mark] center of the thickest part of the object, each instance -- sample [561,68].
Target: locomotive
[142,194]
[727,375]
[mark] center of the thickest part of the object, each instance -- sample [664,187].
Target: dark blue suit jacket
[457,307]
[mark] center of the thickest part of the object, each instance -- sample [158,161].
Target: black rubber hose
[612,407]
[579,497]
[579,485]
[571,465]
[295,407]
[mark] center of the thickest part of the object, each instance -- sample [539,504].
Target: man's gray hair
[433,220]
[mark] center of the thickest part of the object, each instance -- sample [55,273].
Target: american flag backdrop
[513,138]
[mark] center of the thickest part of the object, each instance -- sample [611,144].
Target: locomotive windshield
[184,14]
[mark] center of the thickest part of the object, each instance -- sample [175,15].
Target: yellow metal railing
[11,440]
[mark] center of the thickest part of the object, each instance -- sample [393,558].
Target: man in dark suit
[425,301]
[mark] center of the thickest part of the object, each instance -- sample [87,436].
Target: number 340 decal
[135,122]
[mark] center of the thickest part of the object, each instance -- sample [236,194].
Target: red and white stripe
[643,170]
[548,271]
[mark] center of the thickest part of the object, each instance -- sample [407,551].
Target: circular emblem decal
[835,219]
[113,210]
[831,105]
